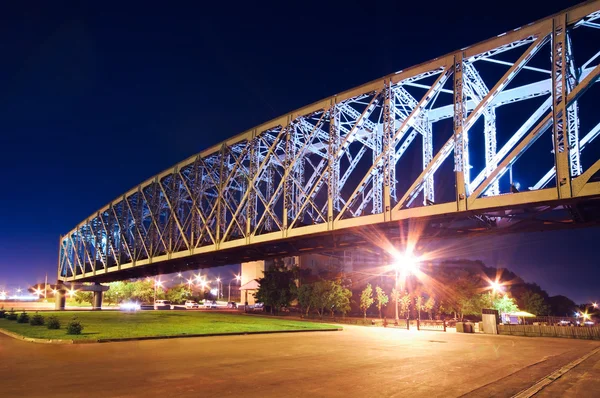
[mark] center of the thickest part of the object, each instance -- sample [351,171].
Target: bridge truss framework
[311,179]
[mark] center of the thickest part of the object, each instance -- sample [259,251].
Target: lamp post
[237,278]
[219,290]
[156,284]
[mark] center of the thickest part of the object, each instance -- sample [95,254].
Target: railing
[431,325]
[574,332]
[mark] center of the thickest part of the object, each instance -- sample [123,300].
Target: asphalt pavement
[356,362]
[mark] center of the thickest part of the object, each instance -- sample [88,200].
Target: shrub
[74,327]
[11,315]
[23,317]
[36,320]
[2,312]
[53,323]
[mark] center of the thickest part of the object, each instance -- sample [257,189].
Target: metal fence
[439,326]
[574,332]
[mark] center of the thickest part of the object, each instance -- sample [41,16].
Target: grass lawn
[117,324]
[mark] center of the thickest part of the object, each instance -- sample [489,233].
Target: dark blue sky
[98,97]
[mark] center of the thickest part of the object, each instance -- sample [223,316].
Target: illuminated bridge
[496,137]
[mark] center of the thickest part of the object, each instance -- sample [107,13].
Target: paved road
[357,362]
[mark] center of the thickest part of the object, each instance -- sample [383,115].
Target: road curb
[34,340]
[178,336]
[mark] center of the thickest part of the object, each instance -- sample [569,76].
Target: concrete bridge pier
[97,306]
[60,298]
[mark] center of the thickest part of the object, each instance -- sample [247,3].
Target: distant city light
[595,305]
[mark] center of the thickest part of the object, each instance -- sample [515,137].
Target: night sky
[97,97]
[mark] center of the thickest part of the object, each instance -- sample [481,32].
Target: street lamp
[237,278]
[595,305]
[404,265]
[218,289]
[157,283]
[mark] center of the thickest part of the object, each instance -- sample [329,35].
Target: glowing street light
[237,278]
[407,264]
[595,305]
[157,284]
[404,264]
[496,286]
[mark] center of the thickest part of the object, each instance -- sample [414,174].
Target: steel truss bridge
[425,145]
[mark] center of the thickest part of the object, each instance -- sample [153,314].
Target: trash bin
[468,327]
[460,327]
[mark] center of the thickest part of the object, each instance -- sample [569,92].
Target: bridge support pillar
[97,298]
[60,298]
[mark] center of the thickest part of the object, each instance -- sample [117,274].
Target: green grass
[116,324]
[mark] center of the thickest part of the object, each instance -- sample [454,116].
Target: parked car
[162,305]
[191,304]
[210,304]
[232,304]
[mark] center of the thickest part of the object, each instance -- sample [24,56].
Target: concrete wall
[250,271]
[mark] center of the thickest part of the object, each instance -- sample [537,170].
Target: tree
[119,292]
[320,296]
[366,299]
[428,306]
[419,304]
[534,303]
[143,291]
[339,298]
[561,305]
[381,298]
[277,288]
[330,296]
[405,304]
[305,296]
[178,294]
[505,304]
[84,297]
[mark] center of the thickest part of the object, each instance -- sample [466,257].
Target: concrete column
[60,299]
[97,299]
